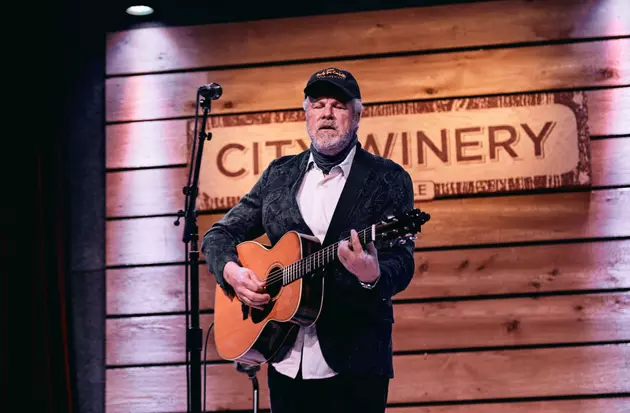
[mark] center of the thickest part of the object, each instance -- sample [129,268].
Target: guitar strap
[357,179]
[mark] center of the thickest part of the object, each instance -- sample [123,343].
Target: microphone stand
[194,335]
[251,370]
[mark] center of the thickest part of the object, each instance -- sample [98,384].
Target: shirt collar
[344,165]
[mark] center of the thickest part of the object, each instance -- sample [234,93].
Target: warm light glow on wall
[618,54]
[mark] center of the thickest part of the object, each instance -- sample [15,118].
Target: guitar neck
[320,259]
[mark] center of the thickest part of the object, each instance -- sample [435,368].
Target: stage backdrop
[513,118]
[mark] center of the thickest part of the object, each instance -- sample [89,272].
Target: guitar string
[278,275]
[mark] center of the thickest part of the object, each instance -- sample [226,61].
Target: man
[342,363]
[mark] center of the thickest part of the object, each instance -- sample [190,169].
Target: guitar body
[253,336]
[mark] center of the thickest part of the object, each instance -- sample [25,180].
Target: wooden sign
[452,147]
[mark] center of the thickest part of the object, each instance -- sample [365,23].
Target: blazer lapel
[350,196]
[293,191]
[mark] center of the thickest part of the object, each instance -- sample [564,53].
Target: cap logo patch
[331,72]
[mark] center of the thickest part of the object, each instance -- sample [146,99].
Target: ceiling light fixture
[139,10]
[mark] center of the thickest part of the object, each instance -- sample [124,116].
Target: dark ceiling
[188,12]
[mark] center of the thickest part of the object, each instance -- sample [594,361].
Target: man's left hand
[363,264]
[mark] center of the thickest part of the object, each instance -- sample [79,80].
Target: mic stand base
[251,373]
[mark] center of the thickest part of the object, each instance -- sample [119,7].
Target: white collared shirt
[317,199]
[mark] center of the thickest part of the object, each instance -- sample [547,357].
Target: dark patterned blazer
[355,325]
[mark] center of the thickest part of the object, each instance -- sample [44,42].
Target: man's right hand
[248,288]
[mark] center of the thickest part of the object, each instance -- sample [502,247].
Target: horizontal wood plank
[600,405]
[164,389]
[520,270]
[148,144]
[432,76]
[150,340]
[145,290]
[458,273]
[456,222]
[146,191]
[523,373]
[610,162]
[512,322]
[609,111]
[163,142]
[144,240]
[418,327]
[373,32]
[523,218]
[159,191]
[580,370]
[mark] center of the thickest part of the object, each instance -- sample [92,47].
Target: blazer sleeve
[396,263]
[242,222]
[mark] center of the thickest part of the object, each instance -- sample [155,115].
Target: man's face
[330,123]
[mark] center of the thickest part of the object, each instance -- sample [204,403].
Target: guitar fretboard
[322,258]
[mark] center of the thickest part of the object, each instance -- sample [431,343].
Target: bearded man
[343,361]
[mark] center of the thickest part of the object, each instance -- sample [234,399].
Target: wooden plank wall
[519,304]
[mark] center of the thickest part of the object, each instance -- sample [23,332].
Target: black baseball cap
[334,82]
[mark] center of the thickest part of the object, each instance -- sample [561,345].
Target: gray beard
[327,162]
[338,147]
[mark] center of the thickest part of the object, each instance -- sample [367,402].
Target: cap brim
[325,87]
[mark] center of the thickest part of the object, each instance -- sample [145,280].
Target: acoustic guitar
[249,335]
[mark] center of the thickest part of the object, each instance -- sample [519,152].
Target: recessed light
[139,10]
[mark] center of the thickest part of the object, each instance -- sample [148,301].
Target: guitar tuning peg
[405,240]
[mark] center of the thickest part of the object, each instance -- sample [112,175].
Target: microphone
[211,91]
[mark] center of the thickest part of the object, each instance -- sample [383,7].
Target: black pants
[338,394]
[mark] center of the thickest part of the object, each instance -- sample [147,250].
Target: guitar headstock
[400,229]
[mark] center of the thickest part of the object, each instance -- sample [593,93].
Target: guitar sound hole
[273,289]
